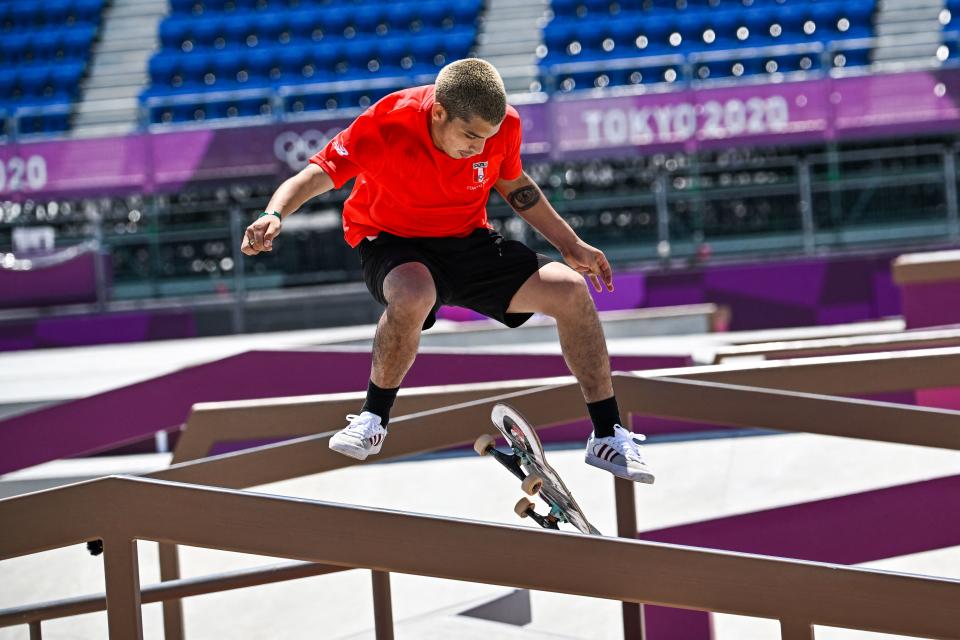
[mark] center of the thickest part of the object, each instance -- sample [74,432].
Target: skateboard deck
[528,462]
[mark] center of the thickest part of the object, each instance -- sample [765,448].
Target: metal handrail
[799,594]
[783,349]
[726,404]
[168,590]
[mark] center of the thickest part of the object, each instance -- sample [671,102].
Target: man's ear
[438,113]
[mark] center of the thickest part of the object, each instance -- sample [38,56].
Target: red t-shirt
[405,185]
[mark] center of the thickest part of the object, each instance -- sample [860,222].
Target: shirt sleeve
[355,150]
[511,168]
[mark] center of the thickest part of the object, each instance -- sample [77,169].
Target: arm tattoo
[524,198]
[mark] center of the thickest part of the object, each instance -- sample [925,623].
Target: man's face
[458,138]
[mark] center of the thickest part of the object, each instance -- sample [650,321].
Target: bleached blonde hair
[472,87]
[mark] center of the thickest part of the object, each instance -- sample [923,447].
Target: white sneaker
[620,455]
[363,437]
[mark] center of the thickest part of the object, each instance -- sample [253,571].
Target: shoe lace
[362,426]
[629,446]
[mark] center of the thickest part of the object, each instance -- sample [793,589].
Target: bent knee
[568,293]
[410,287]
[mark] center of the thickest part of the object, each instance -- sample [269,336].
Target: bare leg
[560,292]
[410,294]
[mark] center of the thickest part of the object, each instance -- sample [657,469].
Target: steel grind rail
[932,364]
[784,349]
[799,594]
[163,591]
[213,422]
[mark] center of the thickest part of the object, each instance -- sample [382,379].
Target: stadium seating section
[222,59]
[706,38]
[950,19]
[44,49]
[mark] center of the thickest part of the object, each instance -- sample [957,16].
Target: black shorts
[482,271]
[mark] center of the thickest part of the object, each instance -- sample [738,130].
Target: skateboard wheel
[523,507]
[483,444]
[532,484]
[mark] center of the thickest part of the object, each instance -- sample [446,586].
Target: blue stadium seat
[271,27]
[336,20]
[597,9]
[226,67]
[591,34]
[558,34]
[826,15]
[8,84]
[793,19]
[239,29]
[713,69]
[25,14]
[860,15]
[174,31]
[214,6]
[196,66]
[292,61]
[457,43]
[184,7]
[565,8]
[394,53]
[324,57]
[307,25]
[250,5]
[724,24]
[624,31]
[401,15]
[164,68]
[46,44]
[207,30]
[425,50]
[57,12]
[14,47]
[690,26]
[78,40]
[759,21]
[852,57]
[465,12]
[359,53]
[66,80]
[657,30]
[88,11]
[367,18]
[436,14]
[35,82]
[261,64]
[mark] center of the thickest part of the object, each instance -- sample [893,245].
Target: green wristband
[271,213]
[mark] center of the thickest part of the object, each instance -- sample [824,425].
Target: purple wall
[70,281]
[761,295]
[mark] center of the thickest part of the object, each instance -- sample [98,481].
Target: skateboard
[528,462]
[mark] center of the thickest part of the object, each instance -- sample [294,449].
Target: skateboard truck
[526,460]
[530,484]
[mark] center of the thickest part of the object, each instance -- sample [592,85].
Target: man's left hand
[591,262]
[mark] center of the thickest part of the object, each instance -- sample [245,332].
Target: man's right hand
[260,234]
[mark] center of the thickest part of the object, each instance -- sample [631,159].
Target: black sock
[604,414]
[379,401]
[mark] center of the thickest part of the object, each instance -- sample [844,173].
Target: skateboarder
[425,160]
